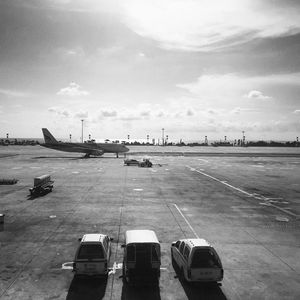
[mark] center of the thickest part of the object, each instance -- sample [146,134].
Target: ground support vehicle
[41,185]
[146,163]
[142,257]
[131,162]
[196,261]
[92,256]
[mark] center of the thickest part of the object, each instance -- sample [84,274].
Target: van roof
[140,236]
[92,237]
[197,242]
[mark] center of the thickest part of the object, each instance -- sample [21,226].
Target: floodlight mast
[82,130]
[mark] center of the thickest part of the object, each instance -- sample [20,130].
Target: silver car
[197,261]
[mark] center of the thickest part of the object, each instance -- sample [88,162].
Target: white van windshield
[90,252]
[205,258]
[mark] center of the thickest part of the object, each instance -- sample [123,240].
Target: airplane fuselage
[97,149]
[89,148]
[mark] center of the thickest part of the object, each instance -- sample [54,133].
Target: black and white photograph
[149,149]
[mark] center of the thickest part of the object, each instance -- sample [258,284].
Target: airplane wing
[87,150]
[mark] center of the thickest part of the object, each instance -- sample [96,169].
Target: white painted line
[116,266]
[256,196]
[223,182]
[67,266]
[203,160]
[187,222]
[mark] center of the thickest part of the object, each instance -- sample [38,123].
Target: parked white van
[197,261]
[92,255]
[141,263]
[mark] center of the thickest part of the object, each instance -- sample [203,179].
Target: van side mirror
[79,240]
[111,239]
[173,244]
[123,246]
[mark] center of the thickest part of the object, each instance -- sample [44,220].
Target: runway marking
[116,266]
[186,221]
[206,161]
[67,265]
[256,196]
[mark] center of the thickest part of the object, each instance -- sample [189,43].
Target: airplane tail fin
[48,137]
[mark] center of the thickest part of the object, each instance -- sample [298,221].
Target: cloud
[235,86]
[257,95]
[59,111]
[207,25]
[81,115]
[297,111]
[239,110]
[145,113]
[109,113]
[72,90]
[14,93]
[212,111]
[190,112]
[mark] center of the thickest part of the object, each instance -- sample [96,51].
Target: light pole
[243,143]
[82,130]
[163,136]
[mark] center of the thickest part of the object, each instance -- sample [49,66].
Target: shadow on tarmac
[32,197]
[59,157]
[76,158]
[140,292]
[203,291]
[87,288]
[197,291]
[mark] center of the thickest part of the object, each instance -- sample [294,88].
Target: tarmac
[246,206]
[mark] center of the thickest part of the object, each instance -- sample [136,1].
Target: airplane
[89,148]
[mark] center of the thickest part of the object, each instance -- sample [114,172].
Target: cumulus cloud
[72,90]
[108,113]
[59,111]
[146,113]
[239,110]
[257,95]
[297,111]
[14,93]
[190,112]
[81,114]
[212,111]
[210,24]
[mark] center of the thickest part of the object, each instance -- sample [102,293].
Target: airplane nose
[126,149]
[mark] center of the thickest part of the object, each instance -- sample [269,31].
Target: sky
[196,68]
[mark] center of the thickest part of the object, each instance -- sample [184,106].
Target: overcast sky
[193,67]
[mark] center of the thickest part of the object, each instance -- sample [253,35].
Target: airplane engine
[96,152]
